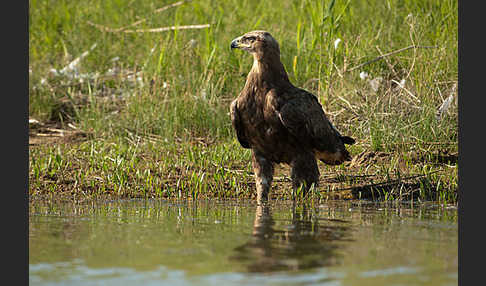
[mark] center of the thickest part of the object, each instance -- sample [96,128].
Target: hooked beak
[235,44]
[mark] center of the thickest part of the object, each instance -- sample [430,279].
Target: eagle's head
[258,43]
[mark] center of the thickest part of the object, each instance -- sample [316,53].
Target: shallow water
[155,242]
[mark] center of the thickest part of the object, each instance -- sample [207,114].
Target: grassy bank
[144,113]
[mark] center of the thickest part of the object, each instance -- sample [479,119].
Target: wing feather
[238,125]
[304,118]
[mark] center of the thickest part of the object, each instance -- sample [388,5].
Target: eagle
[280,122]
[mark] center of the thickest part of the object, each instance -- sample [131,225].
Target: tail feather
[348,140]
[345,139]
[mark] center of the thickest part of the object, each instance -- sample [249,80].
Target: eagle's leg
[263,169]
[304,172]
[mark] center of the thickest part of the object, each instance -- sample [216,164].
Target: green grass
[143,132]
[151,169]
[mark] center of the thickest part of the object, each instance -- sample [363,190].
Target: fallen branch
[389,182]
[164,29]
[154,30]
[389,54]
[169,6]
[104,28]
[131,25]
[121,29]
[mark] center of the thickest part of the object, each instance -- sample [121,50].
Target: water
[154,242]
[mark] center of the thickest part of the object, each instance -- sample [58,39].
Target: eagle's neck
[268,72]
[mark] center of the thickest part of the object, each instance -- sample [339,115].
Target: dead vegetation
[54,133]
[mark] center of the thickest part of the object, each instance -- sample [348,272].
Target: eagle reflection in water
[307,242]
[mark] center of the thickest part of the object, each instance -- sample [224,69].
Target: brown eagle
[280,122]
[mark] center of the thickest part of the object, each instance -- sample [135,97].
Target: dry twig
[389,182]
[172,28]
[154,30]
[170,6]
[389,54]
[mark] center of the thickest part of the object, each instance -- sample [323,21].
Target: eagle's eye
[250,39]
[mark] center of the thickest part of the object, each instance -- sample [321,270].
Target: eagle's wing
[304,118]
[237,125]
